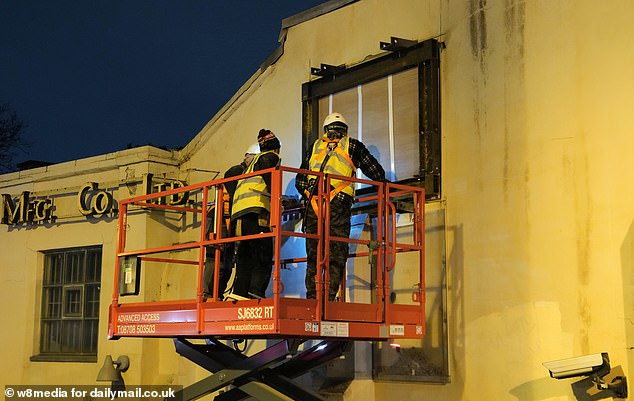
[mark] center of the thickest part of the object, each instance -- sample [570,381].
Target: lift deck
[293,320]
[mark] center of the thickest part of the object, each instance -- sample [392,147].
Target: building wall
[530,142]
[22,260]
[537,163]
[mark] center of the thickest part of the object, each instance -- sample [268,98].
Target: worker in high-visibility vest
[227,249]
[251,213]
[338,154]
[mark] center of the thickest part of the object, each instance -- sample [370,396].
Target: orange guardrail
[280,315]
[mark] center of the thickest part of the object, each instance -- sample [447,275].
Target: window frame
[66,313]
[426,57]
[91,258]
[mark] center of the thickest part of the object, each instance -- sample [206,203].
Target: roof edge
[297,19]
[311,13]
[188,150]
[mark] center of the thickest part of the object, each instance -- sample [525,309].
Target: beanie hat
[268,140]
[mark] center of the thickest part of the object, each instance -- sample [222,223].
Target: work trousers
[340,213]
[226,262]
[254,259]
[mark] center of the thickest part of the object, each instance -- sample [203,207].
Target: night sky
[91,76]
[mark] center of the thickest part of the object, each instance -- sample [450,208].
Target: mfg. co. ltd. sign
[24,209]
[91,201]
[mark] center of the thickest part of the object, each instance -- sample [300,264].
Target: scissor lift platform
[289,319]
[263,318]
[278,316]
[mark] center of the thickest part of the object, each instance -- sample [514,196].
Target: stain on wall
[514,82]
[478,40]
[478,31]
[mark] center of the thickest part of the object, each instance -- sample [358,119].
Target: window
[427,359]
[392,104]
[69,321]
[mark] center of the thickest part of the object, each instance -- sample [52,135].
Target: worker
[228,248]
[338,154]
[251,213]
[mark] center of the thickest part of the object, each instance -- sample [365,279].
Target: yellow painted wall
[537,155]
[536,164]
[22,261]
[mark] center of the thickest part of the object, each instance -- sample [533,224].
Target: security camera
[595,366]
[586,365]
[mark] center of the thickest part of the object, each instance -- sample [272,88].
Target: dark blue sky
[92,76]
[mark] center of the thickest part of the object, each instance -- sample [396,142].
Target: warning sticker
[342,330]
[397,330]
[311,327]
[335,329]
[328,329]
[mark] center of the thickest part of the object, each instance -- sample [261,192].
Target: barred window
[70,305]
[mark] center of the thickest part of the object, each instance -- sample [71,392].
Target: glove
[310,189]
[290,202]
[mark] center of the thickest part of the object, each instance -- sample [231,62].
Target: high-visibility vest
[251,192]
[339,163]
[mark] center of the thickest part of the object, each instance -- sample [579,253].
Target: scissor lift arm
[252,376]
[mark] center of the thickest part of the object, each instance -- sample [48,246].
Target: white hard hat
[254,149]
[335,118]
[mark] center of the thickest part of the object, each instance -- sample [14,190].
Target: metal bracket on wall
[327,70]
[396,44]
